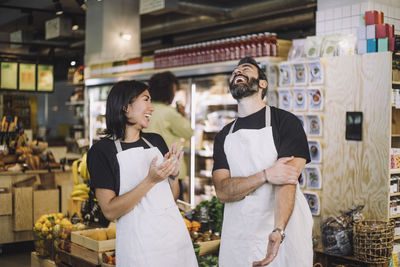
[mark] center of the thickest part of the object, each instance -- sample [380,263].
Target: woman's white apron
[153,233]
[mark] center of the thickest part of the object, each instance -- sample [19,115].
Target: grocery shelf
[77,103]
[396,82]
[395,171]
[184,71]
[396,237]
[395,194]
[395,135]
[394,216]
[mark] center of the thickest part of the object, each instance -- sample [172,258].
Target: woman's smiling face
[139,111]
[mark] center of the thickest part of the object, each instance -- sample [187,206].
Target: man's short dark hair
[261,73]
[121,95]
[161,87]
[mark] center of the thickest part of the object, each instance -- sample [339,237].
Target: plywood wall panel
[356,172]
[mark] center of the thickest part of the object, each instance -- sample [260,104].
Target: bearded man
[257,161]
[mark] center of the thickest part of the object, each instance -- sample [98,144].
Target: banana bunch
[79,167]
[80,192]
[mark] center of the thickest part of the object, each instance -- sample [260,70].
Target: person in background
[134,183]
[257,161]
[167,121]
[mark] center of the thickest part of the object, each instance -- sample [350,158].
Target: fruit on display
[100,234]
[80,191]
[46,228]
[108,258]
[79,167]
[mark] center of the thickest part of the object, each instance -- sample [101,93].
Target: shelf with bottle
[233,48]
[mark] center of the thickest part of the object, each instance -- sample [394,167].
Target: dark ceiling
[192,21]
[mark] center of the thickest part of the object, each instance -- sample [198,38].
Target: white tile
[378,6]
[320,16]
[355,21]
[391,12]
[346,11]
[337,13]
[385,10]
[337,24]
[346,31]
[353,31]
[320,27]
[355,9]
[329,14]
[346,23]
[328,25]
[371,5]
[364,7]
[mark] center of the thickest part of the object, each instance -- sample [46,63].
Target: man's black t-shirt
[287,131]
[103,163]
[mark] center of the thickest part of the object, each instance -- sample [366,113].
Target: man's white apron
[248,222]
[153,233]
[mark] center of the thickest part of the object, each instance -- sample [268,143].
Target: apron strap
[267,119]
[147,142]
[267,116]
[118,145]
[233,126]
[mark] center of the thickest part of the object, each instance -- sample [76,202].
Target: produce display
[100,234]
[108,258]
[46,227]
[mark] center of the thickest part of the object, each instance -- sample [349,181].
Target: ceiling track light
[58,7]
[81,3]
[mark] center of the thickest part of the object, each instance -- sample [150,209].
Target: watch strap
[279,230]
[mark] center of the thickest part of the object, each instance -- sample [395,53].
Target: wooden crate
[37,261]
[6,204]
[22,205]
[99,246]
[209,247]
[86,254]
[44,202]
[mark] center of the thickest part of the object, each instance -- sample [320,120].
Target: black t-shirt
[287,131]
[103,163]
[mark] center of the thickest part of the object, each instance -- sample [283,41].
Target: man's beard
[242,90]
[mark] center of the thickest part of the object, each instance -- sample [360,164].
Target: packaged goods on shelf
[233,48]
[395,158]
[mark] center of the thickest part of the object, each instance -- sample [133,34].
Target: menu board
[9,72]
[27,77]
[45,78]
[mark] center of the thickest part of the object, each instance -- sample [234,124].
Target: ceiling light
[73,63]
[82,4]
[125,36]
[75,27]
[59,9]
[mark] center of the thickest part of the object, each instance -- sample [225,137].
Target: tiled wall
[346,16]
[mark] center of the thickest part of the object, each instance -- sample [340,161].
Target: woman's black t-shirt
[103,163]
[287,131]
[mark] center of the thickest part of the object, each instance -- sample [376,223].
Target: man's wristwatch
[279,230]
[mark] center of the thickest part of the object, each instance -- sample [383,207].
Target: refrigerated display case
[204,91]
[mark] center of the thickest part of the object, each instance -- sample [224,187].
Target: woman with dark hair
[167,121]
[134,182]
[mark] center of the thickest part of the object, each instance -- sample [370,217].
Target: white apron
[248,222]
[153,233]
